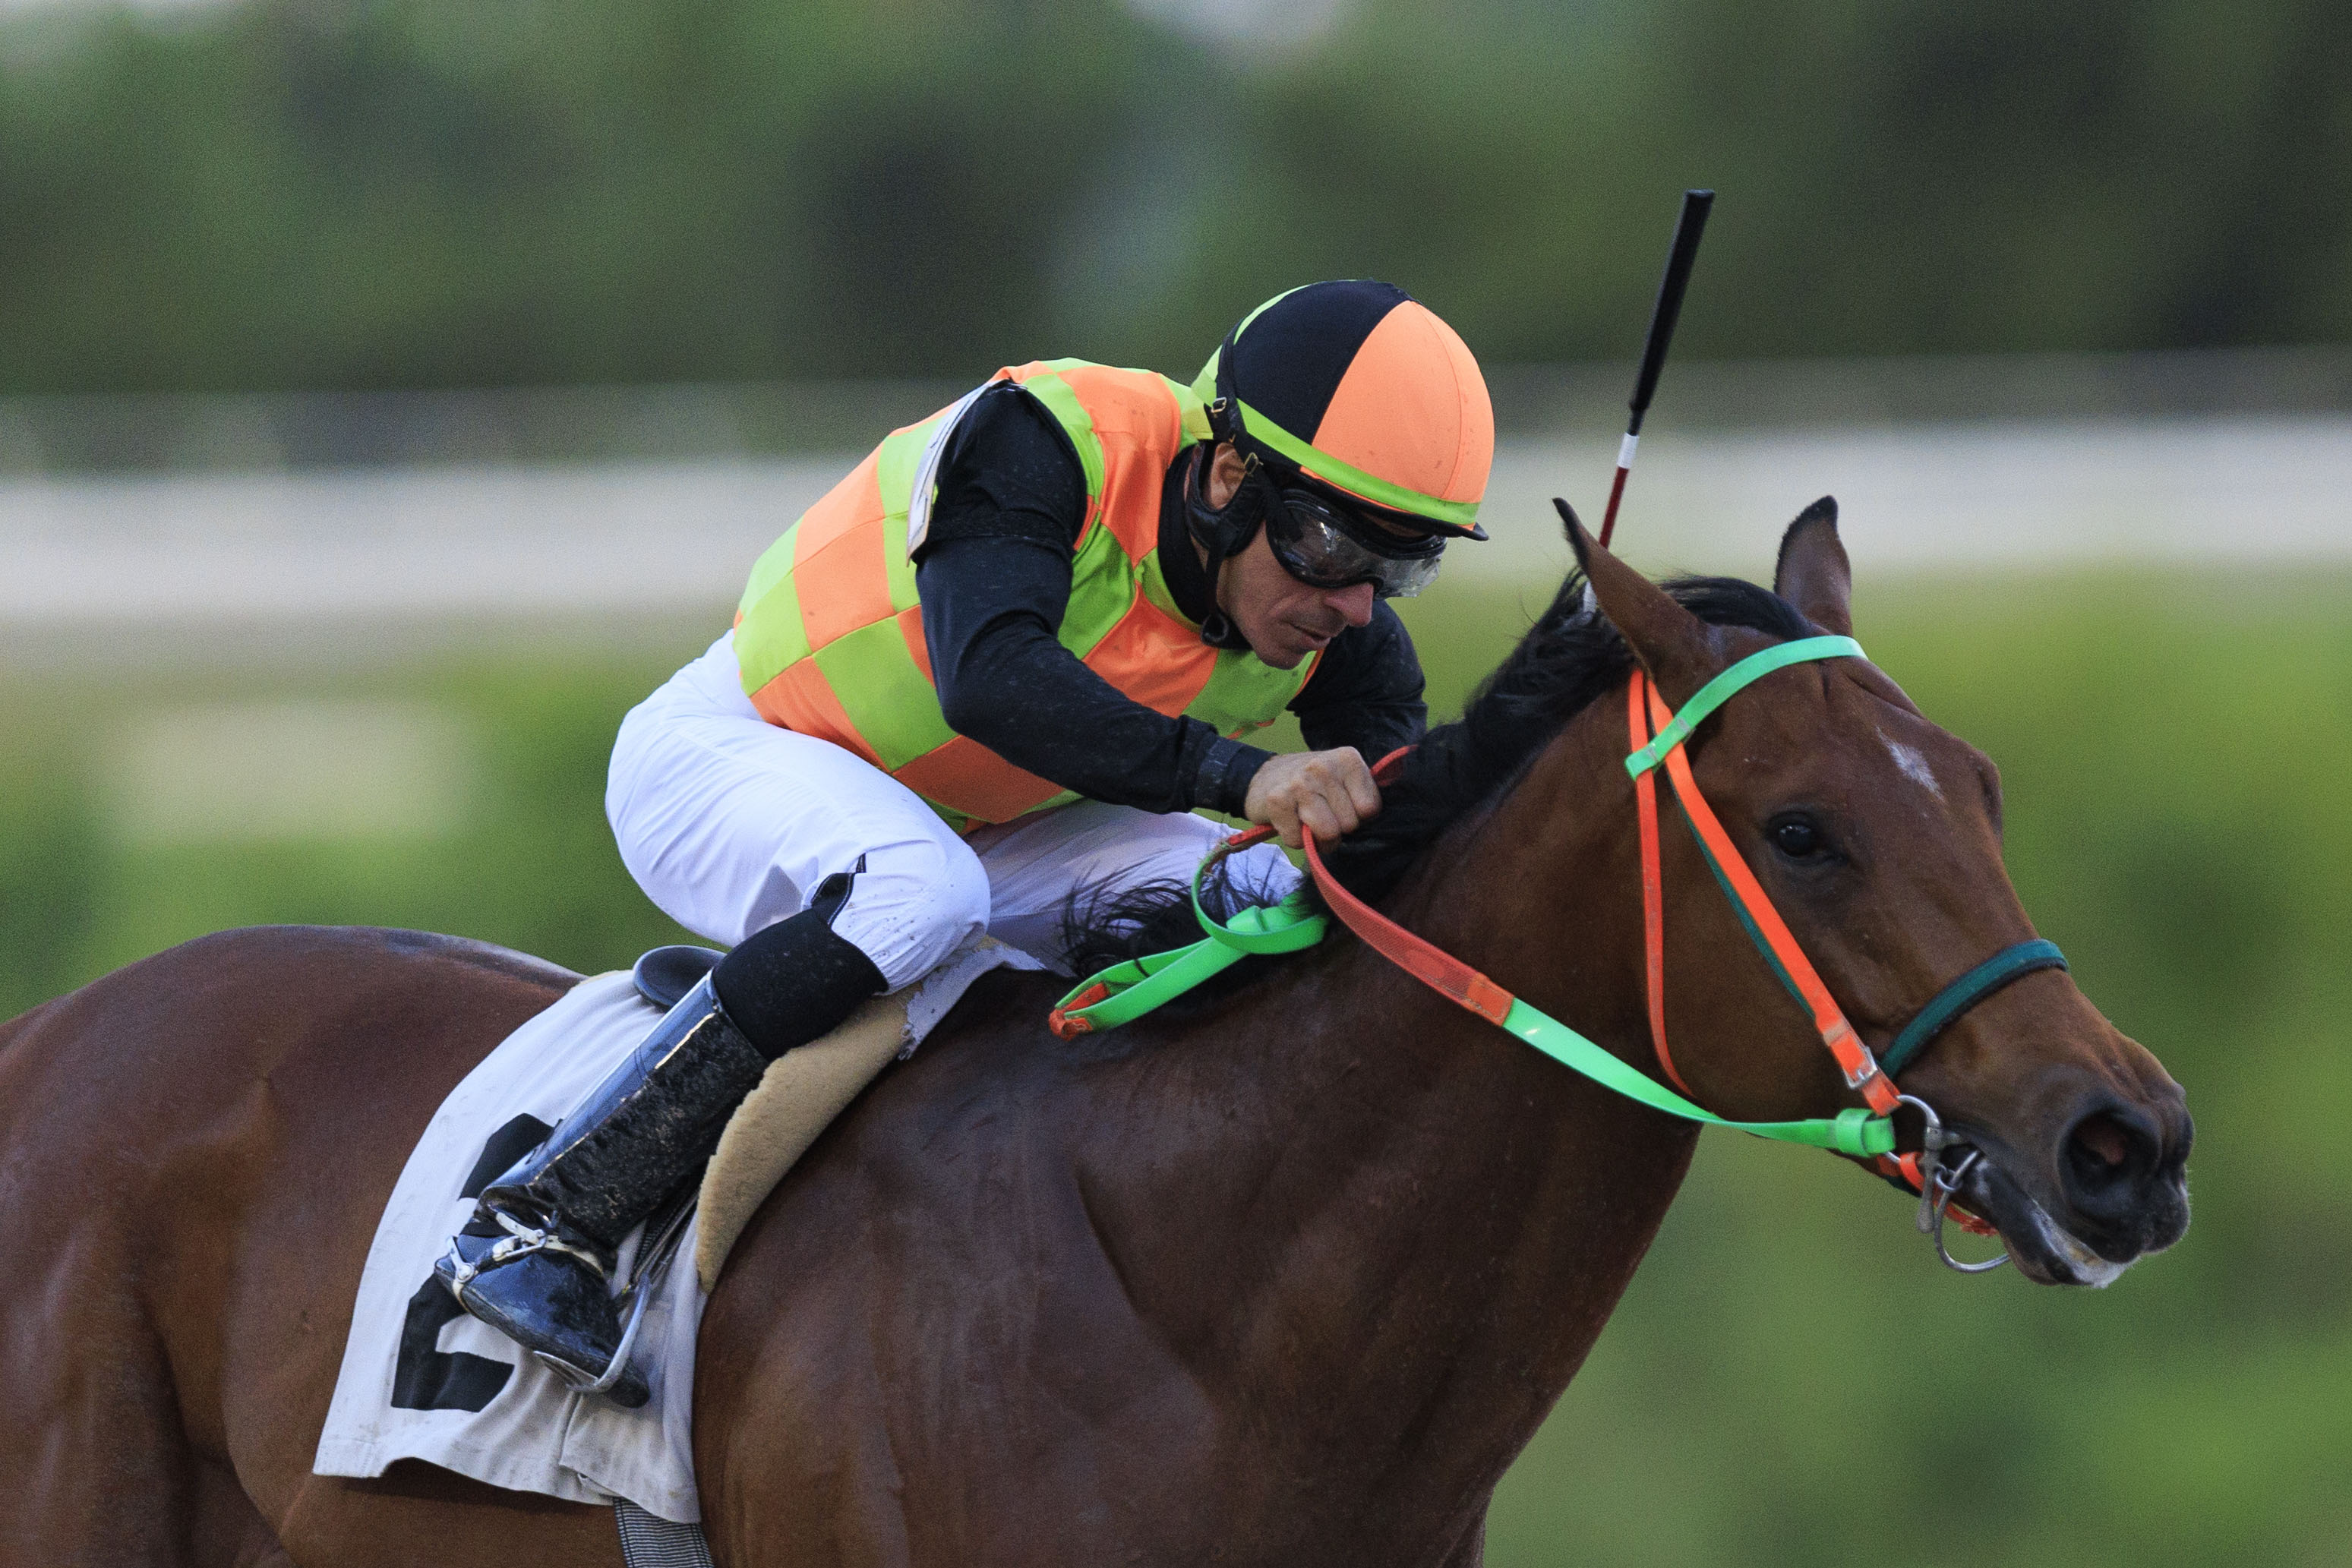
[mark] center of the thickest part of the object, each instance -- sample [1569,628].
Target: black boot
[535,1262]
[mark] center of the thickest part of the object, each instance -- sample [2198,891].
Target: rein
[1128,990]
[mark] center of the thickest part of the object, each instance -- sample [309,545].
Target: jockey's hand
[1326,793]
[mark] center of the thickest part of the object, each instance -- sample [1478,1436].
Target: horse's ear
[1812,573]
[1677,647]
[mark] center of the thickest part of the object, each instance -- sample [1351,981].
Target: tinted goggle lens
[1319,546]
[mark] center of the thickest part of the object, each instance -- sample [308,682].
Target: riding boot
[537,1259]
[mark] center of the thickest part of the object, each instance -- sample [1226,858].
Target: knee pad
[789,984]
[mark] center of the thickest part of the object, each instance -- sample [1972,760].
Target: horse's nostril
[2107,1159]
[2104,1140]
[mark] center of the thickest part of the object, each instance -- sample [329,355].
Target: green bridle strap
[1855,1130]
[1136,987]
[1139,985]
[1719,691]
[1126,991]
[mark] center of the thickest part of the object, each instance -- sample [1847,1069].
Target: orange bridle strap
[1424,961]
[1653,887]
[1648,714]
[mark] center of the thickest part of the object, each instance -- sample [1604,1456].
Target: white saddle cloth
[423,1380]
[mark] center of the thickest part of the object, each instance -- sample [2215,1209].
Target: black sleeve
[994,575]
[1367,691]
[991,608]
[1009,473]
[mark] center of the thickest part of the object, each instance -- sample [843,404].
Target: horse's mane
[1568,658]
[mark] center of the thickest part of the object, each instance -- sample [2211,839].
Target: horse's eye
[1797,838]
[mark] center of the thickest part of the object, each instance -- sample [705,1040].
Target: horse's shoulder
[959,1167]
[988,1089]
[940,1145]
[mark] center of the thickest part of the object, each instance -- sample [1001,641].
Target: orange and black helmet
[1361,388]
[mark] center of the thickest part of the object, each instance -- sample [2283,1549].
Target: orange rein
[1466,986]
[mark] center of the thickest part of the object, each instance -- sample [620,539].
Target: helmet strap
[1222,533]
[1224,426]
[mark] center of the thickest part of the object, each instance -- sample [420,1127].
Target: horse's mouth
[2043,1250]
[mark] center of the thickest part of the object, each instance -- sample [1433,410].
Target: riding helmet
[1361,388]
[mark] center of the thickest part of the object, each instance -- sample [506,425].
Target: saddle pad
[422,1380]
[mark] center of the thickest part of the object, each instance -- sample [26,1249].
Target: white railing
[579,503]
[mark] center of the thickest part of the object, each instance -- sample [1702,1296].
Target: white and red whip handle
[1687,229]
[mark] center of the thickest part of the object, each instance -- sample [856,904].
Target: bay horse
[1284,1274]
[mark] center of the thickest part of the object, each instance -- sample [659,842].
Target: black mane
[1571,657]
[1568,660]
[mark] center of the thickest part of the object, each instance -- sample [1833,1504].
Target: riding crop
[1687,229]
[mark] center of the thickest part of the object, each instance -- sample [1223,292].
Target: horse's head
[1877,837]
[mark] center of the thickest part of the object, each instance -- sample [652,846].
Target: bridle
[1657,739]
[1865,1133]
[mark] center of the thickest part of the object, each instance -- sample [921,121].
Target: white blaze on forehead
[1913,764]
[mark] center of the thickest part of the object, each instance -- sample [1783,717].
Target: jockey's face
[1283,618]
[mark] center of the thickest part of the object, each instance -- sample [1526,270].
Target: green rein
[1126,991]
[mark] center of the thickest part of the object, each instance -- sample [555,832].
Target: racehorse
[1284,1274]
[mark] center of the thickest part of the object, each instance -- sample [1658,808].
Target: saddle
[664,976]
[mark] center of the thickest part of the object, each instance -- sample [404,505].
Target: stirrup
[519,1241]
[579,1380]
[547,1307]
[656,1250]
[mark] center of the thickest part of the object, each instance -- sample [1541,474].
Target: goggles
[1325,545]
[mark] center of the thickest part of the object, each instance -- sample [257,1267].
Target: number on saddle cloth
[426,1377]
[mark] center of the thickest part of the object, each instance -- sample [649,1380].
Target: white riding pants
[729,822]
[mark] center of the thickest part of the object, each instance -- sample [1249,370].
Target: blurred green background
[332,196]
[308,193]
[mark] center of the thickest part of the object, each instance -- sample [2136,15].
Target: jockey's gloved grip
[793,982]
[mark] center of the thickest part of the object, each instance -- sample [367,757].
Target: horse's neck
[1413,1223]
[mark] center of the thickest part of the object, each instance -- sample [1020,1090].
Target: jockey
[1001,666]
